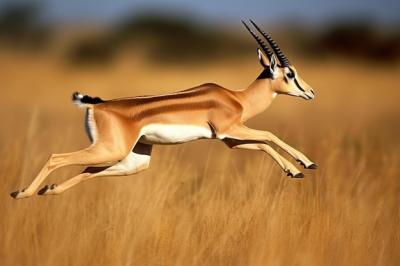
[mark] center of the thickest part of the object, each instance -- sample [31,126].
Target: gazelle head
[283,75]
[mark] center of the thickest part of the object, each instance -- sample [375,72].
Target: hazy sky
[308,11]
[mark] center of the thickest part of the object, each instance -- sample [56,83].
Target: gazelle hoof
[312,166]
[43,190]
[14,194]
[20,194]
[298,175]
[47,189]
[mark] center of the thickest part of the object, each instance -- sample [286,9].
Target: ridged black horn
[282,58]
[260,42]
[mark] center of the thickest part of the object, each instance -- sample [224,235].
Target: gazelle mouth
[308,96]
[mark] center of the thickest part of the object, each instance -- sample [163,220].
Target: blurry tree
[358,39]
[100,49]
[20,27]
[168,38]
[164,38]
[174,38]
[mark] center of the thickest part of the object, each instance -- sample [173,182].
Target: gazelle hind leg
[138,160]
[90,156]
[287,166]
[242,132]
[114,139]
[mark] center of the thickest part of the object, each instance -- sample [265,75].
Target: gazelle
[122,131]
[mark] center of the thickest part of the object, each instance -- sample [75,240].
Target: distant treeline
[164,38]
[354,39]
[168,38]
[20,26]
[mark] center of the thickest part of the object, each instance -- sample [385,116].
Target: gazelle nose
[310,94]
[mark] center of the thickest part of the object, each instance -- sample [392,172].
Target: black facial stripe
[298,85]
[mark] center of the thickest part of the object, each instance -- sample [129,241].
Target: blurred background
[93,32]
[201,203]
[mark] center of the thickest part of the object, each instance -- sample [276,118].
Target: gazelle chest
[171,134]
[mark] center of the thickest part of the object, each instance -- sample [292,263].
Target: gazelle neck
[258,96]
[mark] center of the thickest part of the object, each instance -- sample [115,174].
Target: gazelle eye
[290,75]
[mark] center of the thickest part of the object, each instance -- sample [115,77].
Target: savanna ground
[201,203]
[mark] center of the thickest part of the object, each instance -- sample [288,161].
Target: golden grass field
[201,203]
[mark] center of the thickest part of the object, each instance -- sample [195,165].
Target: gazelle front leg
[138,160]
[287,166]
[242,132]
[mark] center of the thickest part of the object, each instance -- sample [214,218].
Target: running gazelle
[122,131]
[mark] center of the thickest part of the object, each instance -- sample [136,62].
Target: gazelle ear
[273,66]
[263,59]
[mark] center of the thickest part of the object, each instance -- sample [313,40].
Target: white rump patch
[172,134]
[90,125]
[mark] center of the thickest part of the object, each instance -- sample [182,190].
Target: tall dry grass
[201,203]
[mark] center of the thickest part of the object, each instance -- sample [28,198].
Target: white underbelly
[172,134]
